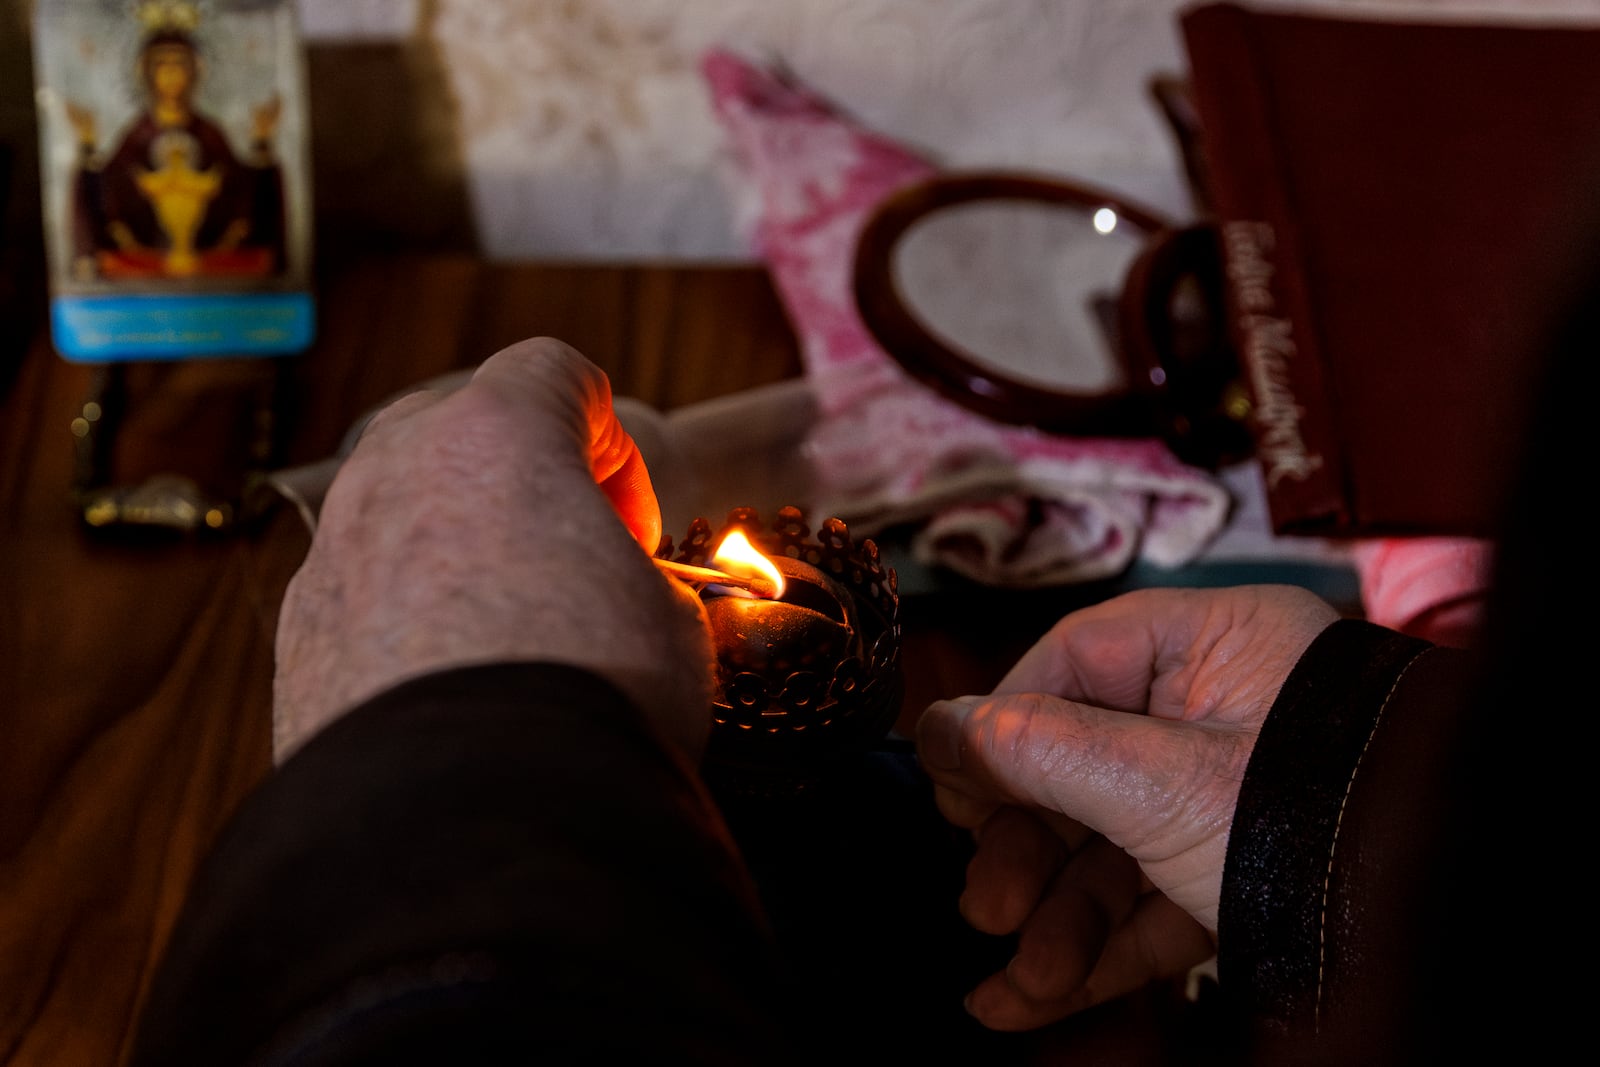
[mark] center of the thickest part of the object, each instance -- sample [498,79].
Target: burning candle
[810,622]
[737,556]
[807,656]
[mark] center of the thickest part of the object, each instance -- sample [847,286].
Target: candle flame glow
[737,555]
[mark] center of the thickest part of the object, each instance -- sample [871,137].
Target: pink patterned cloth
[1004,505]
[1429,587]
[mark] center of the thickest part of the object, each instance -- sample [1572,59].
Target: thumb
[1162,790]
[618,466]
[1036,750]
[552,376]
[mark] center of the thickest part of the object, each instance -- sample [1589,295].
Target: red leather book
[1398,202]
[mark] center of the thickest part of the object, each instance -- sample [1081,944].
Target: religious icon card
[174,145]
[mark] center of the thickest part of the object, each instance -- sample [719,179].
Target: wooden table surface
[135,677]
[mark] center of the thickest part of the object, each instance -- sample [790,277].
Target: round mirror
[1022,289]
[1003,292]
[1054,304]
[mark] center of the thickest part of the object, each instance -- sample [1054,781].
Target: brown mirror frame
[1131,411]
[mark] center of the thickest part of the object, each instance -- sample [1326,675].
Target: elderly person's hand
[509,519]
[1106,765]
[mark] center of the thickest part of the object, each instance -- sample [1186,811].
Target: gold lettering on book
[1269,348]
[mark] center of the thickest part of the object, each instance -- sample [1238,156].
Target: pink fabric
[1002,504]
[1429,587]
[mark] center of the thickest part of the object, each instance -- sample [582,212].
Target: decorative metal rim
[815,710]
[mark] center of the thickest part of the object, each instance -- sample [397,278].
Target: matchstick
[761,587]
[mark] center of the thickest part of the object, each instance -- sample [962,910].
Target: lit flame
[737,555]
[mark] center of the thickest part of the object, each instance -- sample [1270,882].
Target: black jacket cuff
[1339,811]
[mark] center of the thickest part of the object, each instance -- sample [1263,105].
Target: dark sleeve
[1456,922]
[1335,839]
[490,864]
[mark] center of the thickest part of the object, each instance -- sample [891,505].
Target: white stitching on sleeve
[1327,880]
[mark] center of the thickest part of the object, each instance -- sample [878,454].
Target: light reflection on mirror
[1025,290]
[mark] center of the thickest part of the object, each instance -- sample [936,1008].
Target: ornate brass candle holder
[809,677]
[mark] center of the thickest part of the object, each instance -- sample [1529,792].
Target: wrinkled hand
[1101,779]
[482,525]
